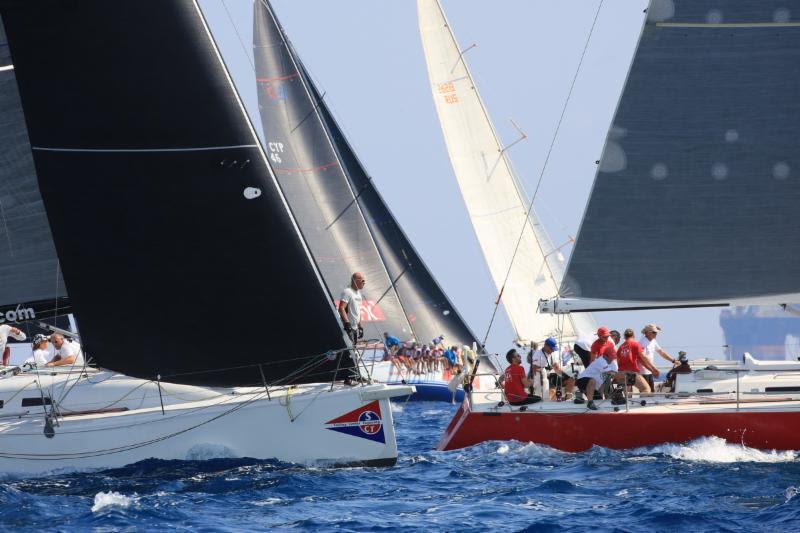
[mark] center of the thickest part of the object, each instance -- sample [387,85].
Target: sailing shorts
[557,380]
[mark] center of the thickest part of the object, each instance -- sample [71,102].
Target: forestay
[171,230]
[340,210]
[497,205]
[695,200]
[31,284]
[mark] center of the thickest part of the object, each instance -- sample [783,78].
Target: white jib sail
[496,204]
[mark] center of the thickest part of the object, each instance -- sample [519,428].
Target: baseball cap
[651,327]
[551,342]
[602,331]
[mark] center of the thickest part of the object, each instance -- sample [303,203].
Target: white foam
[791,492]
[107,499]
[503,449]
[397,407]
[717,450]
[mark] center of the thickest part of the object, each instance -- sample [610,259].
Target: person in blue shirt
[391,345]
[451,356]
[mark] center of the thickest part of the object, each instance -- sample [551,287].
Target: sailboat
[523,262]
[346,223]
[154,210]
[701,155]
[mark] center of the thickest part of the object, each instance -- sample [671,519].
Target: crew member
[591,378]
[651,348]
[390,346]
[5,331]
[598,346]
[66,352]
[630,359]
[350,312]
[556,377]
[515,382]
[40,352]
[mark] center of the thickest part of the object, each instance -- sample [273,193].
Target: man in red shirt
[600,344]
[515,382]
[630,358]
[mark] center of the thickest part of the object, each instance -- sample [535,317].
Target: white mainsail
[495,201]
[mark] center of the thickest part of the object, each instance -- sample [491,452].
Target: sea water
[705,485]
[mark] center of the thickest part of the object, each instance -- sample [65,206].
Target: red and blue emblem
[364,422]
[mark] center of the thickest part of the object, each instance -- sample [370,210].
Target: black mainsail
[696,197]
[31,281]
[337,205]
[168,223]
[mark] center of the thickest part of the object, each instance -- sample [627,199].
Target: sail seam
[135,150]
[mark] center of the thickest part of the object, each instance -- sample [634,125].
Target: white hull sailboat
[144,214]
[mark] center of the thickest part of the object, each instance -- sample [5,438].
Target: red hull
[576,432]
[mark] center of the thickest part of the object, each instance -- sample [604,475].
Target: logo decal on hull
[364,422]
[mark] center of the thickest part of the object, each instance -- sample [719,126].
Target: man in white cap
[651,347]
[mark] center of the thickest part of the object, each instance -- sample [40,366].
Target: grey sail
[697,193]
[31,284]
[315,184]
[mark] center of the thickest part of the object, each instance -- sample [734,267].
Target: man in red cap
[599,345]
[591,378]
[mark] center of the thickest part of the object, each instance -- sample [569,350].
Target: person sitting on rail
[390,346]
[67,352]
[451,359]
[438,342]
[630,359]
[591,379]
[599,345]
[515,382]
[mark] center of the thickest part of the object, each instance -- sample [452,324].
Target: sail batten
[521,259]
[698,183]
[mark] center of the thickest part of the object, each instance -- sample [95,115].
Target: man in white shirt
[651,348]
[66,352]
[5,331]
[537,373]
[350,306]
[591,378]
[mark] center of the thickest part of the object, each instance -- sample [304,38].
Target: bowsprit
[364,422]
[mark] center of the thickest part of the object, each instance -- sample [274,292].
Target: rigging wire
[544,168]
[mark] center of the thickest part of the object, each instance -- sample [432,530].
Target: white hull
[308,424]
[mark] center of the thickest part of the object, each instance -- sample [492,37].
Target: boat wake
[717,450]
